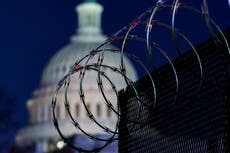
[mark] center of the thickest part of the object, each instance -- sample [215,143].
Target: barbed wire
[147,22]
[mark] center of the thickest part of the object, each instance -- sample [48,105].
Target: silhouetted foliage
[6,113]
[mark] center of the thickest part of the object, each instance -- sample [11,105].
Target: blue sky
[32,31]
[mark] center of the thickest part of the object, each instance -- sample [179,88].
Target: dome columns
[89,17]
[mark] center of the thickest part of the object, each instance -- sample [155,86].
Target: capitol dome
[60,63]
[88,36]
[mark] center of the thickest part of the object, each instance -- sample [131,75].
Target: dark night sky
[32,31]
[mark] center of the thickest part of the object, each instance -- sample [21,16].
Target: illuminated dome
[60,63]
[88,36]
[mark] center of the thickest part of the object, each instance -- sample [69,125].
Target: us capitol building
[41,131]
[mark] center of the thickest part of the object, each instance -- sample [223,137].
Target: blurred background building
[41,132]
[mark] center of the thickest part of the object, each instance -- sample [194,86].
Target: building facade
[41,131]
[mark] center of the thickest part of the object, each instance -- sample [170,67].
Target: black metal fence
[197,122]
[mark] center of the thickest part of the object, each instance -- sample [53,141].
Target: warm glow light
[60,144]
